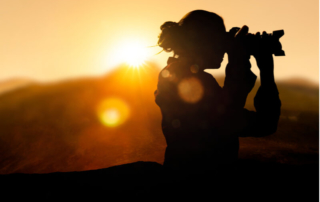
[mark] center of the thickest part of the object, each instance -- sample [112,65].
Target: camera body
[253,42]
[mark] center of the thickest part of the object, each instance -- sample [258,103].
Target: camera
[252,42]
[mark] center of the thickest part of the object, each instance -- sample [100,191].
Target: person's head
[199,34]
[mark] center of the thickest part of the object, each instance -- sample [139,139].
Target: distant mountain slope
[13,84]
[55,127]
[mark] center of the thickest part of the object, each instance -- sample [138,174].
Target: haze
[62,39]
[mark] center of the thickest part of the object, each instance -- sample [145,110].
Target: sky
[52,40]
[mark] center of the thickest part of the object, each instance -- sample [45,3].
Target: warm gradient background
[58,39]
[60,64]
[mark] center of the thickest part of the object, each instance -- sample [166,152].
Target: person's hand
[262,44]
[262,51]
[237,48]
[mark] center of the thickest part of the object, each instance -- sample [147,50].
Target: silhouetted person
[201,121]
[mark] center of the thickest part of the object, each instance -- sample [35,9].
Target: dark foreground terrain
[53,146]
[253,181]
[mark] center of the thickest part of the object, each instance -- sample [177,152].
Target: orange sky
[49,40]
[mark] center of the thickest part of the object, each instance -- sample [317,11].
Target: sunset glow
[54,39]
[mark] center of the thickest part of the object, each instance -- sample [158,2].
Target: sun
[133,52]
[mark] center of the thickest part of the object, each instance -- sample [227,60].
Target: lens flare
[113,112]
[190,90]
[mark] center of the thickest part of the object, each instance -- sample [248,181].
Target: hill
[57,128]
[13,84]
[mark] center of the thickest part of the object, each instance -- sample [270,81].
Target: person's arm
[239,79]
[267,102]
[238,83]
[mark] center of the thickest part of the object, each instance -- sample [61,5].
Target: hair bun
[168,24]
[169,36]
[197,30]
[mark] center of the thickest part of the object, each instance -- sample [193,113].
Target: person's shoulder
[168,72]
[174,65]
[208,78]
[207,75]
[175,70]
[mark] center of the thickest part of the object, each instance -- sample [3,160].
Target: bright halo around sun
[132,52]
